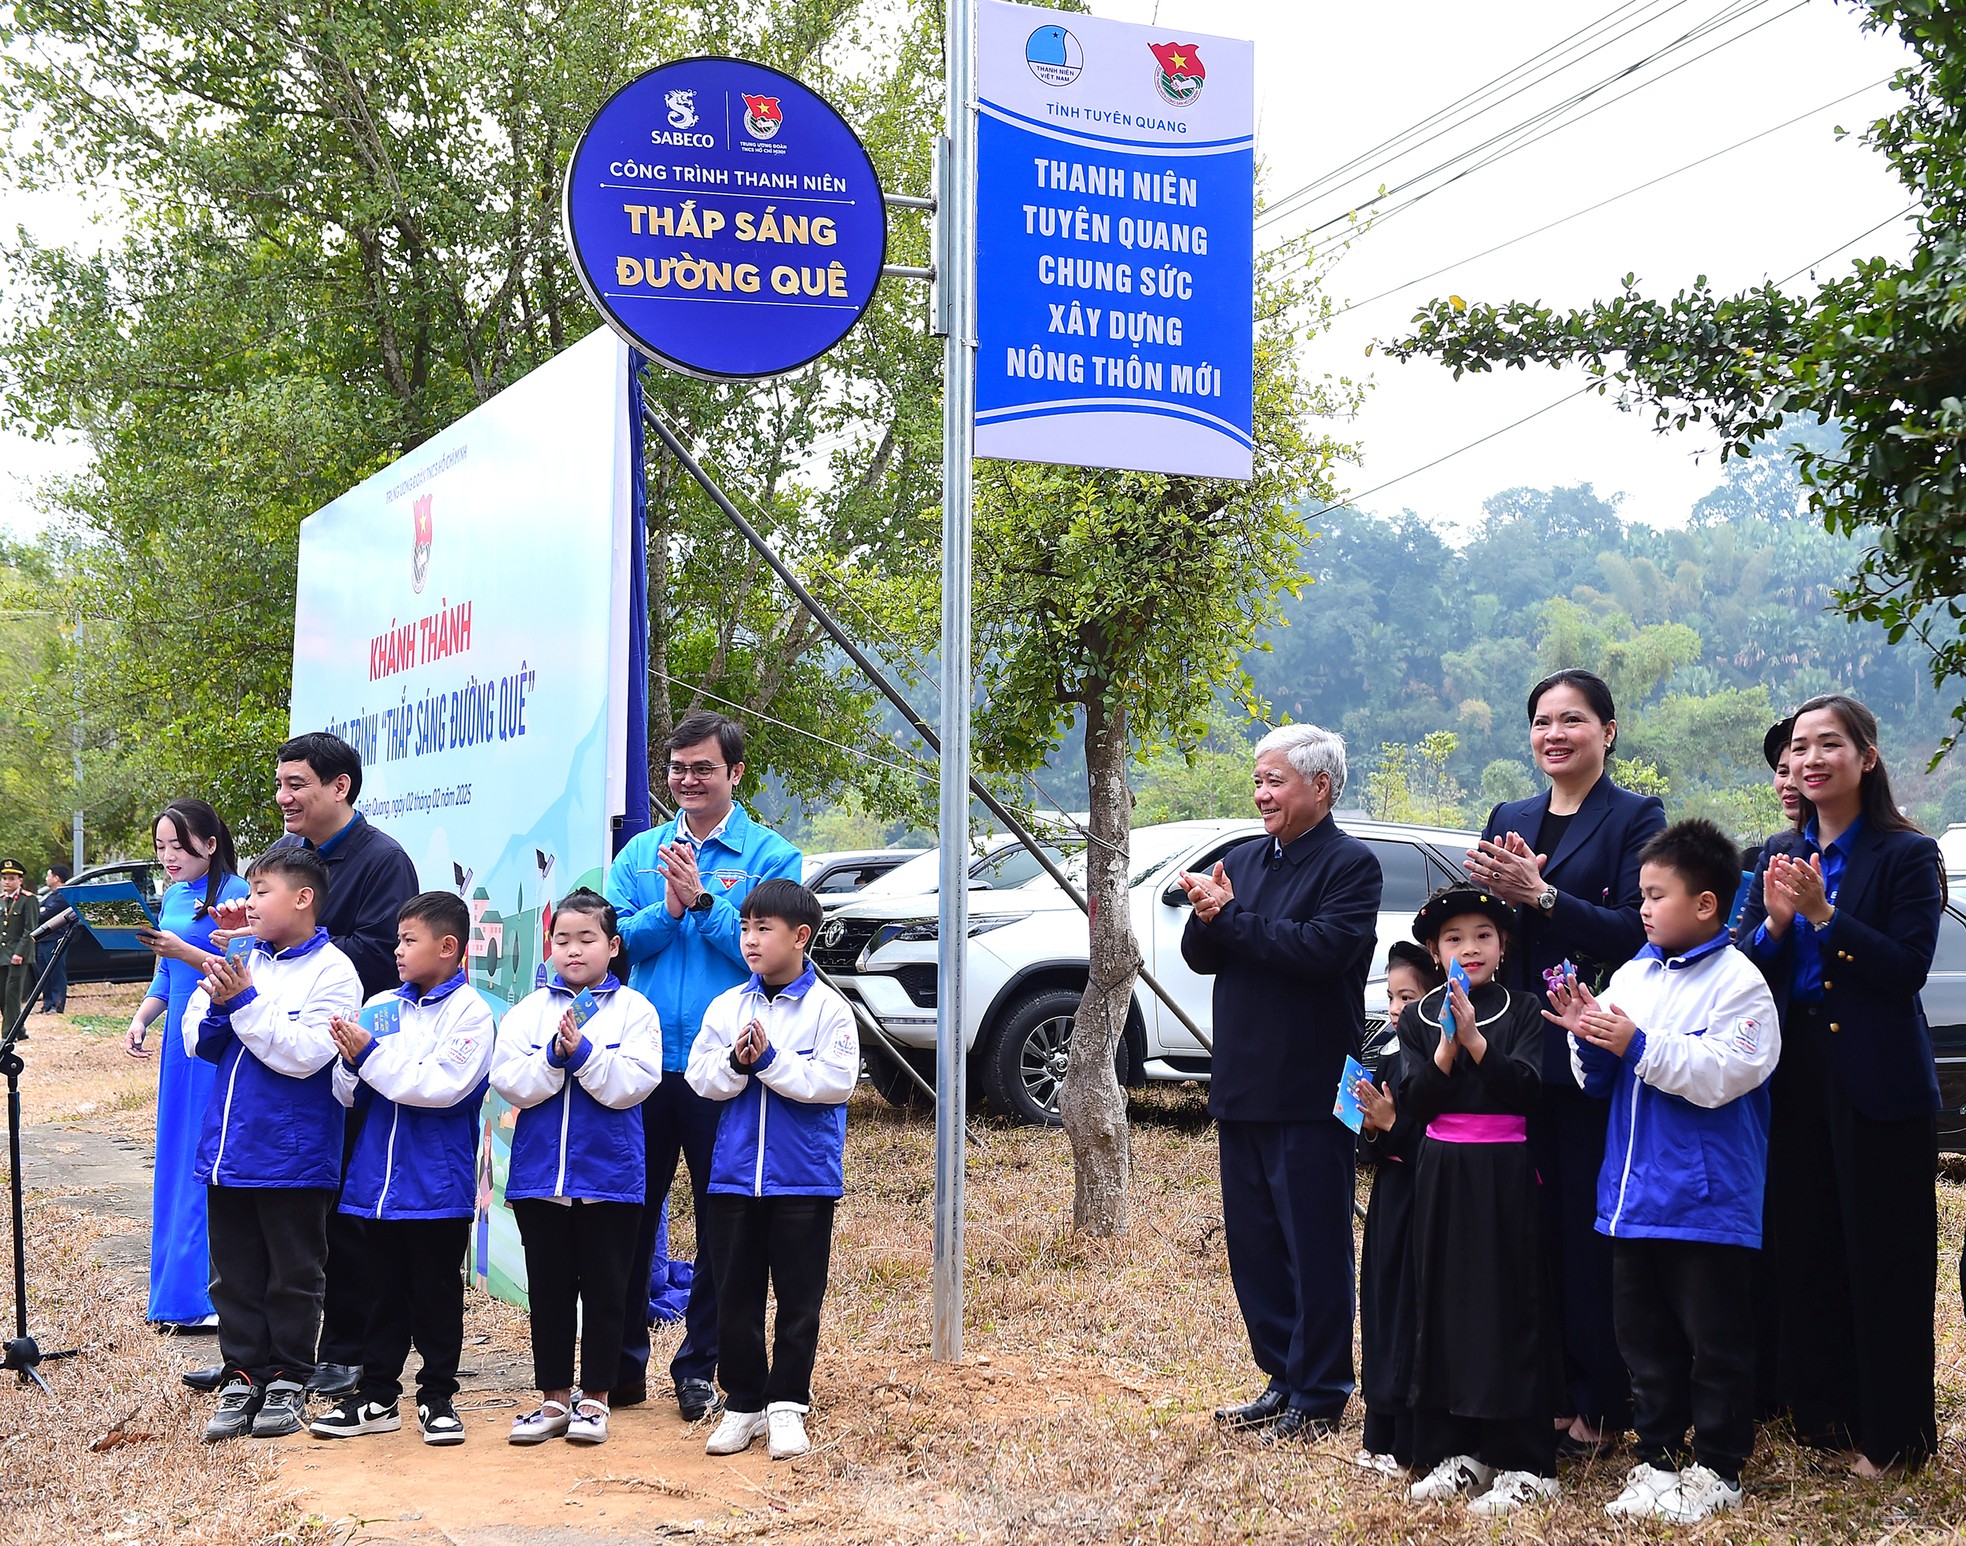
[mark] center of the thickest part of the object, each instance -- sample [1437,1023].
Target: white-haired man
[1287,926]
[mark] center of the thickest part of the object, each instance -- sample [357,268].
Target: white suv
[1027,961]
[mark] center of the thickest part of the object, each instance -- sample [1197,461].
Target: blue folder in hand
[1459,977]
[1346,1107]
[112,911]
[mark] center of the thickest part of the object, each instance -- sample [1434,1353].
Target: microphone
[55,922]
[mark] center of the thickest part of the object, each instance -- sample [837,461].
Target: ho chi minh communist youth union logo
[1181,76]
[1054,56]
[420,552]
[763,117]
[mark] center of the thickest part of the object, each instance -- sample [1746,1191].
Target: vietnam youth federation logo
[420,553]
[763,117]
[682,109]
[1181,76]
[1054,56]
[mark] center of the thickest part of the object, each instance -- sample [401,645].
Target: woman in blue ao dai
[195,849]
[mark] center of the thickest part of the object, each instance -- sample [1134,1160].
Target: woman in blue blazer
[1842,918]
[1569,859]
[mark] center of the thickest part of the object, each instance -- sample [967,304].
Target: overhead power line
[1542,124]
[1591,209]
[1443,120]
[1350,501]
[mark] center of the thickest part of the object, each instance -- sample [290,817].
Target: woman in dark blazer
[1569,859]
[1842,918]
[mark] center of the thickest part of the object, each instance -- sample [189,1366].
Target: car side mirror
[1175,896]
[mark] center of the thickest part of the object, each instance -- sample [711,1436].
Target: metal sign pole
[956,265]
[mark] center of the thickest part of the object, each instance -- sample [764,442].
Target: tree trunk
[1092,1103]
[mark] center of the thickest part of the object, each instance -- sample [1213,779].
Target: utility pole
[75,858]
[956,281]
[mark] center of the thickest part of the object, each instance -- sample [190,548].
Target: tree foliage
[1882,353]
[1706,634]
[339,232]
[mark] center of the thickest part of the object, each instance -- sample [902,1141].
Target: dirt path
[650,1480]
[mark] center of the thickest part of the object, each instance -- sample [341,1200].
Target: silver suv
[1028,962]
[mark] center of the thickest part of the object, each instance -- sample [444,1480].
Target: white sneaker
[589,1424]
[1454,1477]
[1512,1490]
[549,1422]
[1385,1465]
[785,1425]
[1644,1486]
[735,1433]
[1700,1492]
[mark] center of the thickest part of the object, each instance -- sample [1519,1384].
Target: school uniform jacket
[272,1118]
[1686,1157]
[681,964]
[783,1131]
[1594,868]
[1289,954]
[1876,954]
[416,1157]
[578,1136]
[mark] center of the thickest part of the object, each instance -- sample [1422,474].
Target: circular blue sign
[725,219]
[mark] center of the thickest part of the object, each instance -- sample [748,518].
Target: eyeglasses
[696,770]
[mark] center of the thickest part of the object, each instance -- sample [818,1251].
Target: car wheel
[894,1086]
[1024,1073]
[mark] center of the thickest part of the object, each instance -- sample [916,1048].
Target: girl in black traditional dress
[1482,1359]
[1388,1141]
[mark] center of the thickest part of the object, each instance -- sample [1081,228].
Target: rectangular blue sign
[1115,244]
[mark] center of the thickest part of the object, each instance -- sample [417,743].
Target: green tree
[340,233]
[1881,352]
[1411,783]
[1124,602]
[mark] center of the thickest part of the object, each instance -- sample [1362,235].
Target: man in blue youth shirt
[676,890]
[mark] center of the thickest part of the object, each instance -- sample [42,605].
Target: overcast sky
[1334,80]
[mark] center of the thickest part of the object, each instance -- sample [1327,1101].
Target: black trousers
[788,1240]
[1856,1211]
[577,1254]
[350,1292]
[676,1122]
[269,1246]
[1287,1220]
[1685,1313]
[1566,1138]
[417,1300]
[1389,1432]
[1507,1444]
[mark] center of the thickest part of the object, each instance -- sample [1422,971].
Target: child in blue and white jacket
[782,1051]
[576,1180]
[412,1179]
[1683,1044]
[269,1151]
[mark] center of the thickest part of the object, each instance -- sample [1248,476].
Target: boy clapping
[412,1177]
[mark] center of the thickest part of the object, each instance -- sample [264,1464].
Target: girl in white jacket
[577,1057]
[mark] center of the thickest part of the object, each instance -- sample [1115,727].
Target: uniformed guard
[18,914]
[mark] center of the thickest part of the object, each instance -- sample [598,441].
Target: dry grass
[1080,1412]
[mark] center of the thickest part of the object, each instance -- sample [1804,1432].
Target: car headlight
[926,930]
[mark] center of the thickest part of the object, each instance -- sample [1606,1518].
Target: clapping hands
[1209,893]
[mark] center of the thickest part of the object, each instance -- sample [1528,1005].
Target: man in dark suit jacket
[1287,925]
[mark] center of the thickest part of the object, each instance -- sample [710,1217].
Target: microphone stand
[23,1354]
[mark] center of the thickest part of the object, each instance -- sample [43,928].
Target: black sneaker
[440,1423]
[282,1410]
[697,1399]
[238,1404]
[353,1415]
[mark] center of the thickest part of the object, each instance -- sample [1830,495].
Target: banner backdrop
[462,620]
[1115,243]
